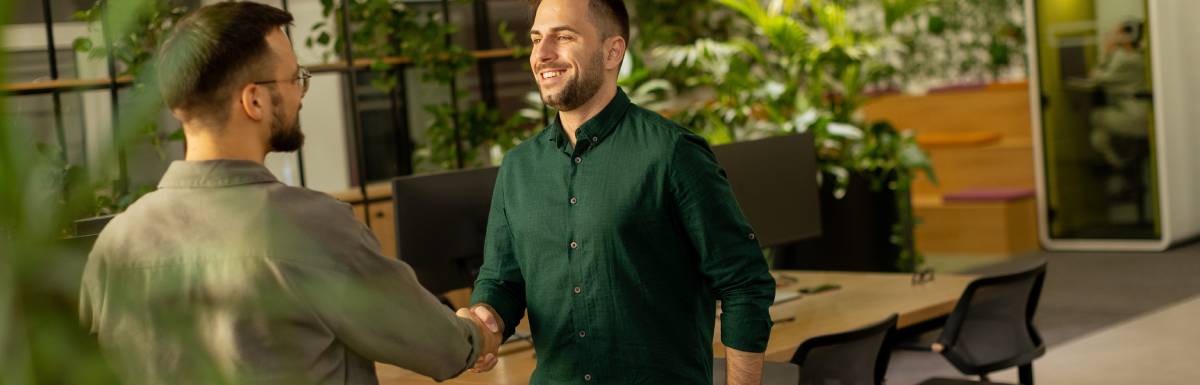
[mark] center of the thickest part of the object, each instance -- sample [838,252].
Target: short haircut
[214,50]
[611,17]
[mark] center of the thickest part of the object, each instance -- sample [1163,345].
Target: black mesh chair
[991,328]
[856,357]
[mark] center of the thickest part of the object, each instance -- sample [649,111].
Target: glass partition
[1097,119]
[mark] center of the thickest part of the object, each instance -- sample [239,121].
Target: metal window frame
[485,56]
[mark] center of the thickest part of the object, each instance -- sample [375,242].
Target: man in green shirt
[225,275]
[616,229]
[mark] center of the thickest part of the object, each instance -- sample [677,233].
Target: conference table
[862,299]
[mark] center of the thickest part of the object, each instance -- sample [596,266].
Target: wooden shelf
[363,63]
[45,87]
[378,191]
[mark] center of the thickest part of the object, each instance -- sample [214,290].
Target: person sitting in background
[1120,116]
[226,275]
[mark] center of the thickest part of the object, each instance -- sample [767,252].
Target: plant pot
[855,232]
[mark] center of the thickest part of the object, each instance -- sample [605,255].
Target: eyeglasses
[302,77]
[921,277]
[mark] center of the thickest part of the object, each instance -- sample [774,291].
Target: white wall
[1174,35]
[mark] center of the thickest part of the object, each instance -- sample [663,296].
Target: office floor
[1108,318]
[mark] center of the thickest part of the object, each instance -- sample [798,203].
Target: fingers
[488,318]
[485,363]
[484,319]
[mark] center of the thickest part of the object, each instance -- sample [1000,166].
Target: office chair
[991,328]
[856,357]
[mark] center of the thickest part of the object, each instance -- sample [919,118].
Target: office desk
[864,298]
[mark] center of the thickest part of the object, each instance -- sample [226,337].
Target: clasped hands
[491,328]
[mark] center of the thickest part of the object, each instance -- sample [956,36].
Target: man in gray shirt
[226,275]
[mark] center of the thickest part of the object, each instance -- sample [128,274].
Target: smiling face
[568,59]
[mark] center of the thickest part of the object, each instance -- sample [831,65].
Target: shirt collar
[214,173]
[596,129]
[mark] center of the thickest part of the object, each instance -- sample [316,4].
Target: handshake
[491,329]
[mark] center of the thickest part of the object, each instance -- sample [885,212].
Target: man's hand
[491,327]
[743,368]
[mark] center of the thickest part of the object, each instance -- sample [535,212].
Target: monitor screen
[441,221]
[775,182]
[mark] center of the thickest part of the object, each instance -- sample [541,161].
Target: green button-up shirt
[619,248]
[224,271]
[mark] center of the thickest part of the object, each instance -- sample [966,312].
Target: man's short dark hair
[213,50]
[611,17]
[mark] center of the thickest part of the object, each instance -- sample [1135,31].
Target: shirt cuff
[509,311]
[747,334]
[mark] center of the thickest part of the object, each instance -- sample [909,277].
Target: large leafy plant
[807,66]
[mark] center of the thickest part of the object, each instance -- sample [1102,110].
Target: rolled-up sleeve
[730,256]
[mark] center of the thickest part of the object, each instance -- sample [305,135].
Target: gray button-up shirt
[224,271]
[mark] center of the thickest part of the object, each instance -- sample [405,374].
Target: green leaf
[177,135]
[323,38]
[937,25]
[82,44]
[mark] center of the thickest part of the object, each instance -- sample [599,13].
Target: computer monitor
[84,233]
[775,182]
[441,221]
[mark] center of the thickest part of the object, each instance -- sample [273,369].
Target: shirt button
[578,289]
[752,236]
[578,160]
[582,334]
[587,377]
[595,139]
[574,245]
[574,201]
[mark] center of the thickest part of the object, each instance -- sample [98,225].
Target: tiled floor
[1160,348]
[1094,310]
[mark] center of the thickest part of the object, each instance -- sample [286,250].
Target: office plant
[41,340]
[810,66]
[127,34]
[384,30]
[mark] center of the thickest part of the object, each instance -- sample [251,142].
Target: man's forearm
[743,368]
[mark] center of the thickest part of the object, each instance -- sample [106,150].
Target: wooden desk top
[864,298]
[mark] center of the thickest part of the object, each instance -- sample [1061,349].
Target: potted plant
[810,66]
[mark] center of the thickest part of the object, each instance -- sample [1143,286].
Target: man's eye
[537,40]
[564,38]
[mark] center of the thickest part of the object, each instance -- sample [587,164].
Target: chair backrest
[856,357]
[991,327]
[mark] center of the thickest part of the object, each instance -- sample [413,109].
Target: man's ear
[253,101]
[614,52]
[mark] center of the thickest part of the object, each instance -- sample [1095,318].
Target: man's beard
[284,137]
[579,89]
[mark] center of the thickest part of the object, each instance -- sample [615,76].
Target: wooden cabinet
[382,213]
